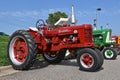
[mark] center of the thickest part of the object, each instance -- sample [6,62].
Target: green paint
[102,37]
[109,53]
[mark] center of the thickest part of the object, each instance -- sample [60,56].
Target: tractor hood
[67,30]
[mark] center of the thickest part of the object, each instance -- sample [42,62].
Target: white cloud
[43,14]
[31,14]
[21,14]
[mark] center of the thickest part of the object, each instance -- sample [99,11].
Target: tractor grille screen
[88,35]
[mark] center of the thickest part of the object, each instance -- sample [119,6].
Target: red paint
[87,60]
[20,50]
[68,37]
[116,38]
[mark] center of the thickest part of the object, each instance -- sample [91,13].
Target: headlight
[100,37]
[75,31]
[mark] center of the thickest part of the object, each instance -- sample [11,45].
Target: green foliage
[3,50]
[54,17]
[3,34]
[4,38]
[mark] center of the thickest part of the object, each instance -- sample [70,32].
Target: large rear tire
[21,50]
[109,53]
[88,60]
[54,57]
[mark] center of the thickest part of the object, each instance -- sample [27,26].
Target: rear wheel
[21,50]
[109,53]
[54,57]
[88,60]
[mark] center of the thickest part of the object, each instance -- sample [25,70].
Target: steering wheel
[40,23]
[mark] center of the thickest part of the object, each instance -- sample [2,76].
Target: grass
[3,50]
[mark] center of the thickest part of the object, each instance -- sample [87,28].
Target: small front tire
[88,60]
[109,53]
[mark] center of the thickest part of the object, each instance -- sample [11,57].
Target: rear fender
[36,35]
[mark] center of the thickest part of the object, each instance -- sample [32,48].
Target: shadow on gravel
[99,69]
[74,63]
[39,64]
[68,63]
[42,63]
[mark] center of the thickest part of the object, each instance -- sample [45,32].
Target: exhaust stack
[73,19]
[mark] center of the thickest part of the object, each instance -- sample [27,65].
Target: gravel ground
[68,70]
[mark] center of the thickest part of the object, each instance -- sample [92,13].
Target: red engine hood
[67,30]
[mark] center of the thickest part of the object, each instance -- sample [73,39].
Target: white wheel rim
[11,50]
[109,54]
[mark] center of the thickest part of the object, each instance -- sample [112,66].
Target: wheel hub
[87,60]
[20,50]
[108,53]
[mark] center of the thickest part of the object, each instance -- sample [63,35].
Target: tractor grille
[88,35]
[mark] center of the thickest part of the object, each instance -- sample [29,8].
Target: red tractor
[24,45]
[117,44]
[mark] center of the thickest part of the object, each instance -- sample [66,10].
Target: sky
[21,14]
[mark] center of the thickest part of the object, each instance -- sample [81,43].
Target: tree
[54,17]
[3,34]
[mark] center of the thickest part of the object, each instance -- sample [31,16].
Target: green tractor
[102,40]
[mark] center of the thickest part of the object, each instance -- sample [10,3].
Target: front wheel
[54,57]
[88,60]
[109,53]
